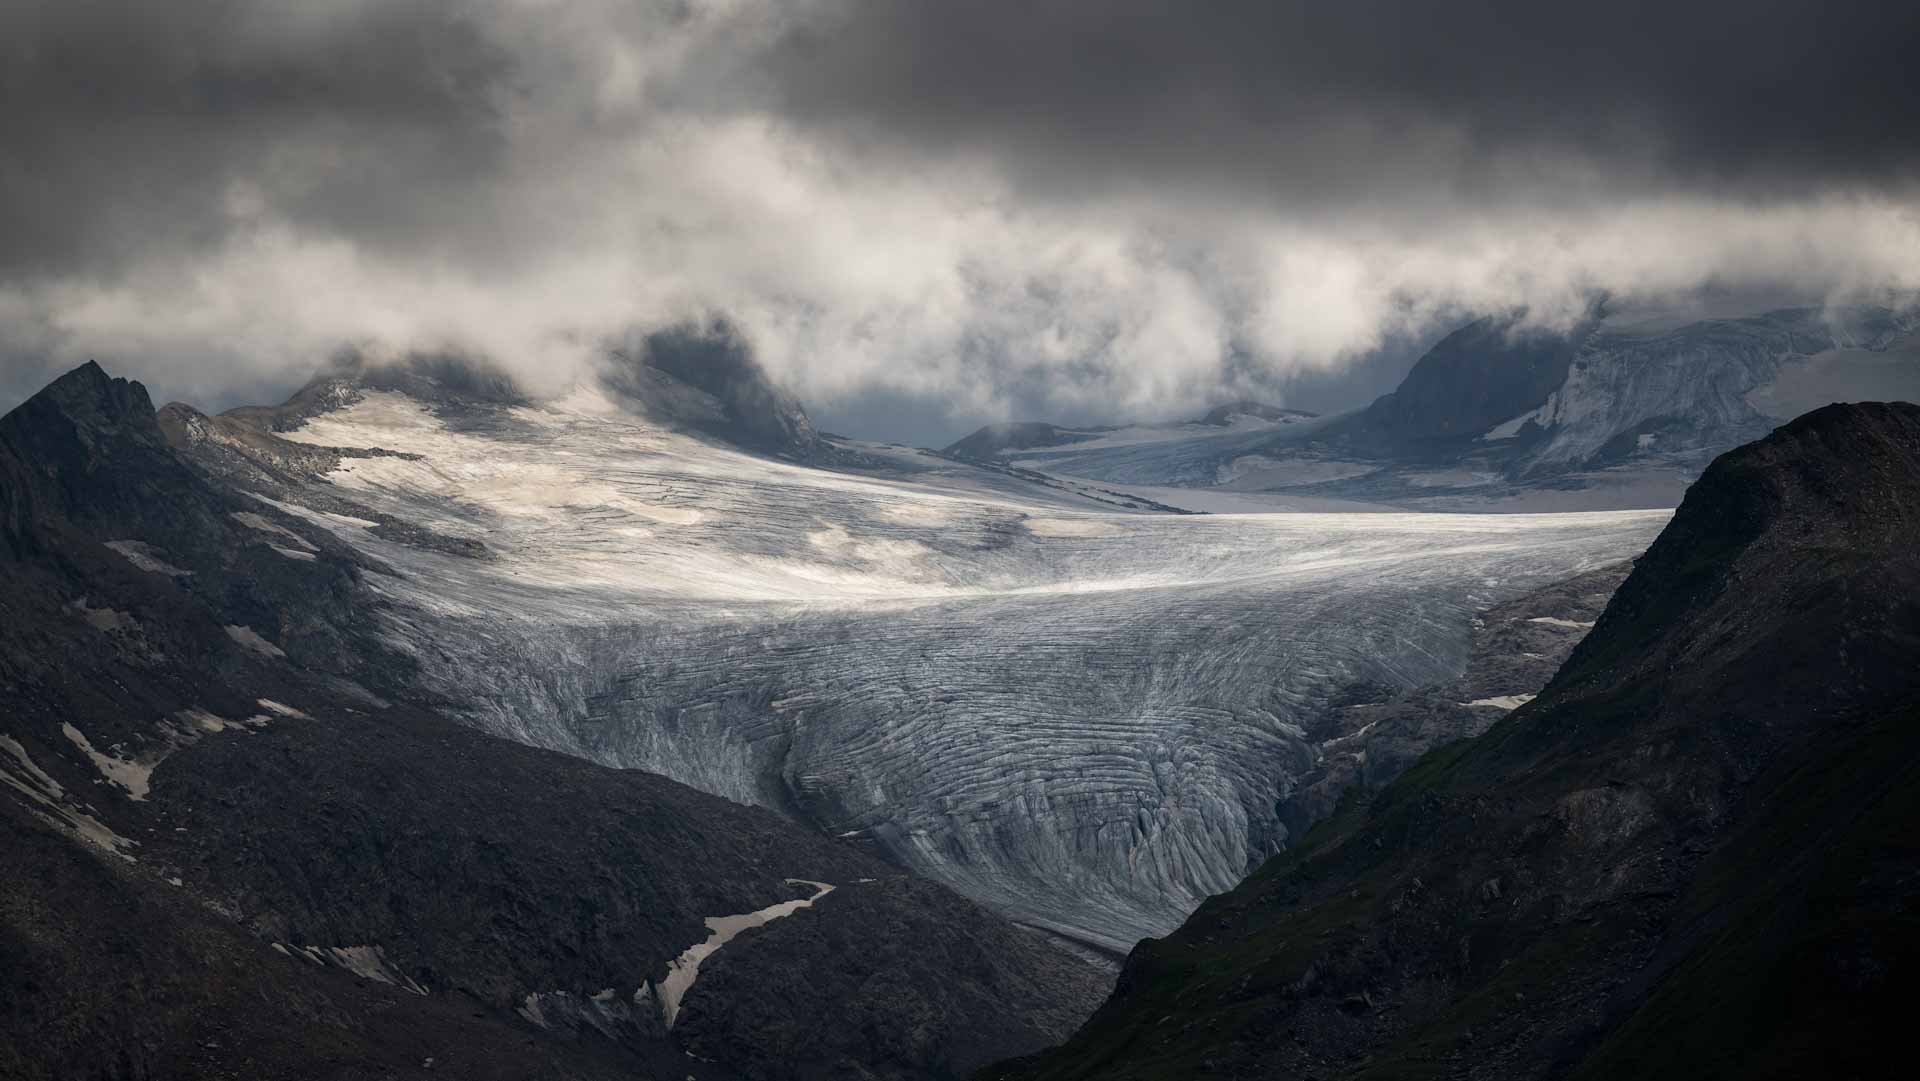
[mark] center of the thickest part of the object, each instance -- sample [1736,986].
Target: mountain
[1472,380]
[732,397]
[1624,409]
[240,843]
[995,439]
[1196,453]
[1007,438]
[1693,855]
[1060,703]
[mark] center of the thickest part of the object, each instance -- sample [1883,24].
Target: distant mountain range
[1622,410]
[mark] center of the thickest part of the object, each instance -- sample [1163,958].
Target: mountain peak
[88,449]
[82,418]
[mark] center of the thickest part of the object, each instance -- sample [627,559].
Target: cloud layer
[1101,209]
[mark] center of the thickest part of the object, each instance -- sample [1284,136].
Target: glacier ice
[1080,717]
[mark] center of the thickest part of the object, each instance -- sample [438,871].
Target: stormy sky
[926,214]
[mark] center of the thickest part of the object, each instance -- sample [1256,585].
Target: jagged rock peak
[90,404]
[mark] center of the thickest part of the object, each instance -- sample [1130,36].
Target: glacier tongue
[1082,719]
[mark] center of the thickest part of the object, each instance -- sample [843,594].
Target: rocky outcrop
[1691,856]
[706,379]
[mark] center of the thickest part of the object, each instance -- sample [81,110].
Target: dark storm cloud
[131,127]
[1086,210]
[1344,102]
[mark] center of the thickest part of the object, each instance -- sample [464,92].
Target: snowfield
[1080,717]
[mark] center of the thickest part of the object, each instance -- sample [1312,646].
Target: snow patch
[196,722]
[366,962]
[145,556]
[200,720]
[132,776]
[683,970]
[52,806]
[1541,414]
[250,638]
[47,785]
[101,619]
[1504,701]
[349,520]
[257,522]
[1555,621]
[283,710]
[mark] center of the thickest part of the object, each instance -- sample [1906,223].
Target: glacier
[1078,714]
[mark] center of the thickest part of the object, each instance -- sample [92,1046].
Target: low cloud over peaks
[1103,209]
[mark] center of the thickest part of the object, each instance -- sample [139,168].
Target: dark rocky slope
[1693,856]
[705,378]
[232,848]
[1471,380]
[1371,735]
